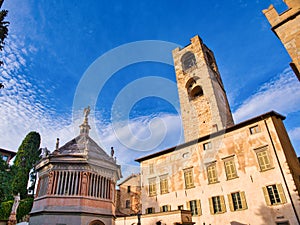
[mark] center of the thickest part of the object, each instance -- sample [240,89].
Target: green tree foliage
[5,209]
[27,156]
[3,26]
[24,208]
[5,181]
[3,31]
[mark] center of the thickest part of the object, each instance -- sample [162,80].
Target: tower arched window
[196,92]
[193,89]
[188,60]
[211,61]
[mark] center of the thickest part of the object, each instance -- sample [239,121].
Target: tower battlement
[286,27]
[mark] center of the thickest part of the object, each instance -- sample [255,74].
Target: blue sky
[52,44]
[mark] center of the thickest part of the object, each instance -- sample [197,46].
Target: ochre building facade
[225,173]
[128,195]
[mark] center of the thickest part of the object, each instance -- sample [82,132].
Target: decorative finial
[57,143]
[84,127]
[86,113]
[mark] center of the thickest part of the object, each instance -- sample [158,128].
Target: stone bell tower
[203,100]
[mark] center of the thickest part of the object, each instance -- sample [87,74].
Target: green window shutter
[230,203]
[223,206]
[211,206]
[281,193]
[267,198]
[243,200]
[188,206]
[199,207]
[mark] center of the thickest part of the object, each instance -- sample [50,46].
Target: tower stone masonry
[203,100]
[286,26]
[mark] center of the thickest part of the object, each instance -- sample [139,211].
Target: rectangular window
[188,178]
[263,159]
[255,129]
[151,168]
[150,210]
[237,201]
[217,204]
[5,158]
[128,189]
[127,204]
[180,207]
[230,169]
[164,185]
[207,146]
[165,208]
[274,194]
[212,173]
[152,187]
[194,206]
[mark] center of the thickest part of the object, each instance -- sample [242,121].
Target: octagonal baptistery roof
[77,182]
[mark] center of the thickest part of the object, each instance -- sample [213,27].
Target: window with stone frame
[237,201]
[263,158]
[274,194]
[230,168]
[217,204]
[127,204]
[188,178]
[165,208]
[195,207]
[164,184]
[151,168]
[128,189]
[150,210]
[188,61]
[152,186]
[212,175]
[254,129]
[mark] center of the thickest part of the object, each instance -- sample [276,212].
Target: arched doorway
[96,222]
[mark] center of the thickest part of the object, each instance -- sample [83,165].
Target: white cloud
[25,108]
[295,134]
[281,94]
